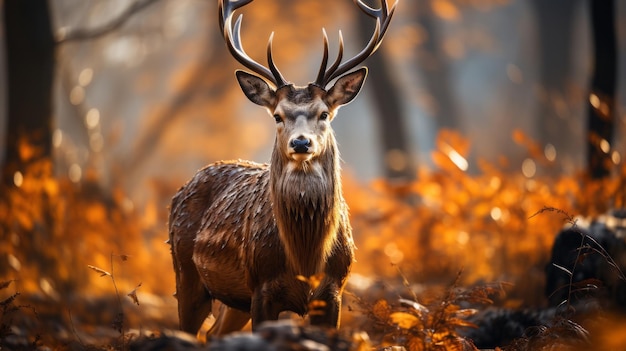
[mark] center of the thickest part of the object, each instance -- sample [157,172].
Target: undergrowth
[118,320]
[429,323]
[10,337]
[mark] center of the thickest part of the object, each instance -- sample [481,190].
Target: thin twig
[568,217]
[571,275]
[602,251]
[119,302]
[92,33]
[405,282]
[80,341]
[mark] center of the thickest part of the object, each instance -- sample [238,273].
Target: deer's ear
[256,89]
[346,88]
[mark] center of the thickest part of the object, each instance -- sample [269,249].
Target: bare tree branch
[91,33]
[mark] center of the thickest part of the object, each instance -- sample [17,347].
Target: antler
[232,36]
[383,18]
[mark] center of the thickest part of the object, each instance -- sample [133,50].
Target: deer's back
[224,188]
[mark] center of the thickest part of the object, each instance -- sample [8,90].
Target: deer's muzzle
[300,145]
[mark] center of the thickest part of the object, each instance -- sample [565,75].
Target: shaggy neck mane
[305,203]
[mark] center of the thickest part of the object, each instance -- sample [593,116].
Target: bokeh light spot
[514,73]
[605,146]
[396,160]
[57,137]
[462,238]
[75,173]
[529,168]
[616,157]
[550,152]
[594,100]
[18,179]
[77,95]
[85,77]
[14,262]
[92,118]
[395,255]
[496,213]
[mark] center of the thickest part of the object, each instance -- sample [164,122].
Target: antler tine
[280,80]
[370,11]
[320,75]
[226,9]
[233,41]
[383,18]
[335,64]
[356,60]
[232,36]
[383,14]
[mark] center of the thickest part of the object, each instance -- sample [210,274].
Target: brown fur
[242,232]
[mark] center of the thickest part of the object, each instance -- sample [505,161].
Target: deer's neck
[306,204]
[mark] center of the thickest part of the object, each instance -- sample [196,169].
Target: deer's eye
[324,116]
[277,118]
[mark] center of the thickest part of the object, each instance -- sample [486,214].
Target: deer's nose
[300,145]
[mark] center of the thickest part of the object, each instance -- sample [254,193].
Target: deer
[244,233]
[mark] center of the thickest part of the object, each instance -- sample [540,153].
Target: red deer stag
[242,232]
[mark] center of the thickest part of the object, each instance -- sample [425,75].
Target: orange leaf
[381,309]
[404,320]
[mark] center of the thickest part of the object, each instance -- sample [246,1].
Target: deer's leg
[194,301]
[325,305]
[265,306]
[194,305]
[227,320]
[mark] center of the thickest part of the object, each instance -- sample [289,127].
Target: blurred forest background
[474,117]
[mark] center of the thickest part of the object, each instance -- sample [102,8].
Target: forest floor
[381,318]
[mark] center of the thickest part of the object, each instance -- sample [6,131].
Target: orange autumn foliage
[492,225]
[447,220]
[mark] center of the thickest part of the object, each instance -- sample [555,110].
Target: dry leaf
[6,284]
[133,294]
[458,322]
[465,313]
[99,270]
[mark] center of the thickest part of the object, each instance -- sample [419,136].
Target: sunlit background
[472,120]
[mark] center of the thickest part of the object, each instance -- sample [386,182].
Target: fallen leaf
[99,270]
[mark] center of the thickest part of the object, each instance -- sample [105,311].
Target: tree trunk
[555,24]
[398,163]
[435,69]
[30,67]
[601,102]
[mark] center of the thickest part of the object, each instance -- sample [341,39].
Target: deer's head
[302,114]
